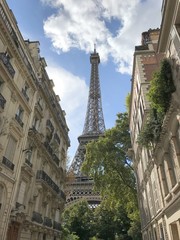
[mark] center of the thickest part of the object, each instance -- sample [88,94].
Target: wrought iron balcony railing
[18,119]
[56,226]
[37,217]
[6,61]
[2,101]
[8,163]
[41,175]
[47,222]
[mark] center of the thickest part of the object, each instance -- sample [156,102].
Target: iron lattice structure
[93,128]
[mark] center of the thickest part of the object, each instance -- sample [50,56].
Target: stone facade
[33,140]
[158,169]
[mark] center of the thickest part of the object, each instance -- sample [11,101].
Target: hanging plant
[161,88]
[159,95]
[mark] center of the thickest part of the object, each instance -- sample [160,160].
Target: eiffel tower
[82,186]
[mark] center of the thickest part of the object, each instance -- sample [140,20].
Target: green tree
[108,164]
[78,220]
[111,223]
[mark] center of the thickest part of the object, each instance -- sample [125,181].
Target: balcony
[8,163]
[25,95]
[18,119]
[41,175]
[6,61]
[47,222]
[37,217]
[2,101]
[56,226]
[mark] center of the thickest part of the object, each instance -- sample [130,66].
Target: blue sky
[67,31]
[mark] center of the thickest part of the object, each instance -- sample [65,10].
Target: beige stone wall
[33,139]
[158,169]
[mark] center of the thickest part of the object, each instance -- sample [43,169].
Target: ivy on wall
[159,95]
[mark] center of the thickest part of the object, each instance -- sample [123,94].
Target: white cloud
[73,92]
[81,23]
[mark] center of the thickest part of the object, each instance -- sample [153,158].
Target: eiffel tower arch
[81,186]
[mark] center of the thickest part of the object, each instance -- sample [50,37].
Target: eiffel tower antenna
[93,127]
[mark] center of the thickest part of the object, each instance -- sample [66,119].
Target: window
[25,91]
[156,198]
[161,172]
[169,168]
[28,156]
[161,232]
[21,194]
[10,149]
[19,116]
[36,123]
[57,214]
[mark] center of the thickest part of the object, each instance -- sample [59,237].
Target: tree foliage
[161,88]
[78,220]
[160,93]
[108,164]
[82,222]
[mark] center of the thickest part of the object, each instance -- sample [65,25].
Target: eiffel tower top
[94,121]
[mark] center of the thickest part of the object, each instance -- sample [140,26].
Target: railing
[37,217]
[18,119]
[47,222]
[6,61]
[8,163]
[41,175]
[25,94]
[56,226]
[2,101]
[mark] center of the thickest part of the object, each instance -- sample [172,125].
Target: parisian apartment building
[157,165]
[33,140]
